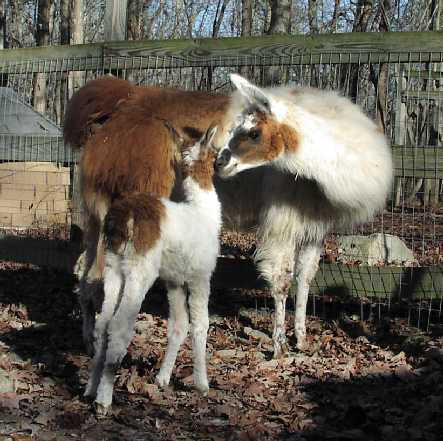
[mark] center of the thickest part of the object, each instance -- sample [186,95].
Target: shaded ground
[360,381]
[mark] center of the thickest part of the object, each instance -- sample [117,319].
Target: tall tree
[246,18]
[280,24]
[14,28]
[246,30]
[65,29]
[349,79]
[77,35]
[134,18]
[41,39]
[313,16]
[65,38]
[280,17]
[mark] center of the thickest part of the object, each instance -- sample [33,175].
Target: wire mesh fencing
[401,90]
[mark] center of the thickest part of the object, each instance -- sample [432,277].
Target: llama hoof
[203,388]
[280,349]
[89,347]
[301,343]
[88,396]
[162,380]
[101,410]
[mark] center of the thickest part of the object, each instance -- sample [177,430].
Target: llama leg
[113,280]
[305,269]
[85,293]
[198,309]
[178,324]
[276,263]
[138,280]
[88,288]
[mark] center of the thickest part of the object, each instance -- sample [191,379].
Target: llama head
[258,135]
[198,156]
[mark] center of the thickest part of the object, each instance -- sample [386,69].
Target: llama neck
[202,198]
[350,160]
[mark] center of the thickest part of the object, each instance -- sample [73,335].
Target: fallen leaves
[350,384]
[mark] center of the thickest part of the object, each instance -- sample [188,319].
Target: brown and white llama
[126,148]
[148,237]
[326,163]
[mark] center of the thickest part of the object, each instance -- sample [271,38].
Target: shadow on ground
[365,386]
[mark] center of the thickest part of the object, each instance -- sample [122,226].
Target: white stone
[376,249]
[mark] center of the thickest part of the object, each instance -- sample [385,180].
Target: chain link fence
[401,89]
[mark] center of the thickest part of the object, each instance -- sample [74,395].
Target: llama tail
[91,106]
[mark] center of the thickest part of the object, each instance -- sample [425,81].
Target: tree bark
[312,16]
[65,38]
[42,39]
[65,30]
[280,24]
[76,29]
[246,31]
[335,16]
[246,18]
[280,17]
[134,17]
[221,8]
[14,33]
[363,13]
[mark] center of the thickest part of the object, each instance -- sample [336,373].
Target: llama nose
[223,159]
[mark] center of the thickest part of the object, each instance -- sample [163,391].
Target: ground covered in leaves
[379,380]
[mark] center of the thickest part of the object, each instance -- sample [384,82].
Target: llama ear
[209,136]
[176,136]
[253,94]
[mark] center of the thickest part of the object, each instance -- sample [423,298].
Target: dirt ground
[373,380]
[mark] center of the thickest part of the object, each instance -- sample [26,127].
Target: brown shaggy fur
[202,170]
[125,149]
[265,141]
[135,217]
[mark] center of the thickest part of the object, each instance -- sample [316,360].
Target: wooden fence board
[343,48]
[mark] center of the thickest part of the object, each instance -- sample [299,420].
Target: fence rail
[405,47]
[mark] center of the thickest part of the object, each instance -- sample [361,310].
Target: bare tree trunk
[280,17]
[363,14]
[218,19]
[134,27]
[76,26]
[381,84]
[115,20]
[134,17]
[42,39]
[335,15]
[65,30]
[312,16]
[14,34]
[313,28]
[246,18]
[280,24]
[65,38]
[246,31]
[75,81]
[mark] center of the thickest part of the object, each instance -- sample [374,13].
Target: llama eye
[254,134]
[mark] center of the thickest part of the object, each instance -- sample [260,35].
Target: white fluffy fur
[185,257]
[339,175]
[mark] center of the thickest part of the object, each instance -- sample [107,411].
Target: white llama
[148,237]
[328,165]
